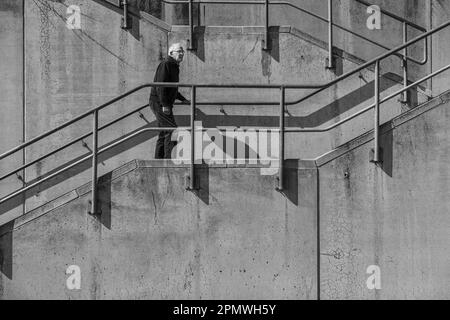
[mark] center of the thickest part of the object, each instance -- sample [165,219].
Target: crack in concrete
[155,210]
[253,49]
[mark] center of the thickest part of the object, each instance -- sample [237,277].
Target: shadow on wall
[133,18]
[135,30]
[386,145]
[6,243]
[202,186]
[341,105]
[153,7]
[274,43]
[290,177]
[104,200]
[202,183]
[199,42]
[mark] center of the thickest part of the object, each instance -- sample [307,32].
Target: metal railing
[331,25]
[193,87]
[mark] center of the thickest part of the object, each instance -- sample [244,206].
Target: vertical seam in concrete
[430,45]
[318,230]
[23,103]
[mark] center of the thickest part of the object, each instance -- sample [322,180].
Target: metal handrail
[396,17]
[283,130]
[327,20]
[67,123]
[362,111]
[331,23]
[286,130]
[81,138]
[346,75]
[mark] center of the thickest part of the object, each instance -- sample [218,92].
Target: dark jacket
[168,71]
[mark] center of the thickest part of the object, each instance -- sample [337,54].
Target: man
[162,99]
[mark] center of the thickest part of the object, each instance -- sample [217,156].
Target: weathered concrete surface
[70,71]
[237,239]
[394,216]
[233,55]
[347,13]
[440,44]
[11,102]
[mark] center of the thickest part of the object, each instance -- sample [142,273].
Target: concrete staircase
[239,238]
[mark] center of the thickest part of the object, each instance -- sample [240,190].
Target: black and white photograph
[226,156]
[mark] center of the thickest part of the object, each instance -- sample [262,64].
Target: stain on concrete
[161,51]
[44,42]
[155,210]
[188,278]
[121,64]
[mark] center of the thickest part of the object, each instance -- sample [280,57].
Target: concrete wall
[70,71]
[237,238]
[11,85]
[227,55]
[347,13]
[394,216]
[440,44]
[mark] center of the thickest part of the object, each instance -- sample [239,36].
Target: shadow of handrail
[320,88]
[289,4]
[113,148]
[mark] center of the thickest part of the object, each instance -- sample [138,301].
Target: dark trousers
[164,145]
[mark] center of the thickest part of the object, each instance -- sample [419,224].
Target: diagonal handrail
[329,20]
[68,123]
[320,88]
[128,137]
[193,87]
[81,138]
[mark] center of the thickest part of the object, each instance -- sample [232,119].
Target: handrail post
[191,26]
[266,26]
[330,64]
[192,125]
[281,147]
[405,96]
[125,14]
[376,130]
[94,162]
